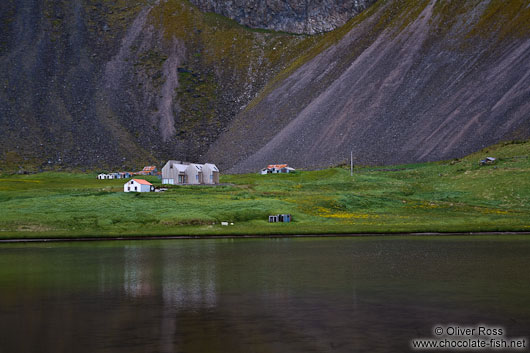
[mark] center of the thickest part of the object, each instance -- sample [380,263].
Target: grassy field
[449,196]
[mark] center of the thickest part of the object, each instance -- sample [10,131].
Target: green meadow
[449,196]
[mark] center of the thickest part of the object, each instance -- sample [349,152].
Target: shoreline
[250,236]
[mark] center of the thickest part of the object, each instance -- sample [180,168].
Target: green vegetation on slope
[225,64]
[451,196]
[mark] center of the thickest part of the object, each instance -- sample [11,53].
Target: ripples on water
[258,295]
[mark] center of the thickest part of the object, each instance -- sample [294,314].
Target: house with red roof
[138,185]
[148,170]
[277,168]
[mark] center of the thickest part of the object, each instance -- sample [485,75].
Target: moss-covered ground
[449,196]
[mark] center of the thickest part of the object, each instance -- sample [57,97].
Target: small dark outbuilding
[488,160]
[284,218]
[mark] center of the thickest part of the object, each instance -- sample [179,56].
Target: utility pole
[351,163]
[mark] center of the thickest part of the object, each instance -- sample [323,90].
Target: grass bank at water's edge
[449,196]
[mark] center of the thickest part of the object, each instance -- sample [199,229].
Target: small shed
[282,218]
[488,160]
[138,185]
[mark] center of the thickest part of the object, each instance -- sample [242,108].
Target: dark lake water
[365,294]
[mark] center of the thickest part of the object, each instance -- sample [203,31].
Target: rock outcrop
[295,16]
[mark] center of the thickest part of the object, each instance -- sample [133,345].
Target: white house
[138,185]
[105,176]
[176,172]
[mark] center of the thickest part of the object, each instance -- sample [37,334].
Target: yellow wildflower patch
[493,211]
[325,212]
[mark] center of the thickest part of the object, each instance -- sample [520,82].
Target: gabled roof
[149,168]
[142,181]
[212,166]
[277,166]
[183,166]
[180,167]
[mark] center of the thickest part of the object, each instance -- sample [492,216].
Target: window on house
[135,188]
[129,188]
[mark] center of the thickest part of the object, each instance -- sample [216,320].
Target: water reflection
[137,276]
[269,295]
[190,284]
[185,277]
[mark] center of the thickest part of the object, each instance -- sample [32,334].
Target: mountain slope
[409,81]
[116,84]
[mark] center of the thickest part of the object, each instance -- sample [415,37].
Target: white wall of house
[168,176]
[174,172]
[133,186]
[194,173]
[210,173]
[207,174]
[104,176]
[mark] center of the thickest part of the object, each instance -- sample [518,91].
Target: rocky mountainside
[309,17]
[407,81]
[117,84]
